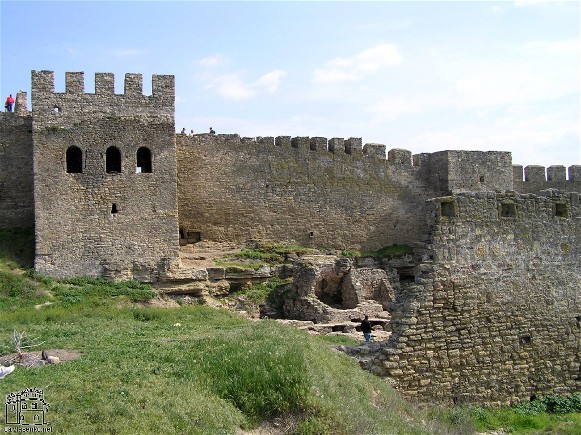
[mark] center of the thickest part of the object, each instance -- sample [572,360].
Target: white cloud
[232,86]
[270,81]
[389,108]
[357,67]
[555,47]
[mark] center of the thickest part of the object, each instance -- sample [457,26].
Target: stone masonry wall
[118,225]
[16,191]
[537,178]
[312,192]
[494,315]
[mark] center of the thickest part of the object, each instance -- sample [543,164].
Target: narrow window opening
[74,160]
[448,209]
[508,210]
[56,109]
[482,178]
[561,210]
[144,160]
[114,208]
[311,234]
[525,339]
[113,160]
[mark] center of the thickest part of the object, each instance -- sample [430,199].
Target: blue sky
[424,76]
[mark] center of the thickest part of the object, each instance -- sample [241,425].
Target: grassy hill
[199,370]
[194,370]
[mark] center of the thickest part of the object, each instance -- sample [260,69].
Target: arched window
[144,159]
[113,160]
[74,160]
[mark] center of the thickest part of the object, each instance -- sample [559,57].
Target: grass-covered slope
[193,370]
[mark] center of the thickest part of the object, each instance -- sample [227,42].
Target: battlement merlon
[46,100]
[536,174]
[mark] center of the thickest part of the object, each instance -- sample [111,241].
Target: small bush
[145,315]
[554,404]
[259,293]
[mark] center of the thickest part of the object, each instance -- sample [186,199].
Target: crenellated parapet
[534,178]
[105,176]
[76,102]
[340,146]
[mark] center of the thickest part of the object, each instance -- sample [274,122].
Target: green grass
[272,254]
[192,370]
[197,370]
[548,414]
[259,293]
[17,248]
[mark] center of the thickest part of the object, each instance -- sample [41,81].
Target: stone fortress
[487,308]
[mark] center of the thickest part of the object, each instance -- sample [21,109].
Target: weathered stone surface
[330,289]
[487,309]
[499,319]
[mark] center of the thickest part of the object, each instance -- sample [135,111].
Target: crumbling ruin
[486,309]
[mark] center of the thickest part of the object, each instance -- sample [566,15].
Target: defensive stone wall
[311,191]
[16,185]
[104,177]
[494,314]
[335,193]
[537,178]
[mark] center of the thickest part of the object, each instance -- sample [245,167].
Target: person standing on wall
[9,103]
[366,329]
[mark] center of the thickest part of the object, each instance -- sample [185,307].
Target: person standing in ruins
[366,329]
[9,103]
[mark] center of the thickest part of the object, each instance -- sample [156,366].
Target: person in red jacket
[9,103]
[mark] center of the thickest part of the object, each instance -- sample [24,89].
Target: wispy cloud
[235,85]
[212,61]
[369,61]
[270,82]
[232,86]
[554,47]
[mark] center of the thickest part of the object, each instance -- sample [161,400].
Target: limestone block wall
[113,215]
[16,191]
[494,314]
[478,171]
[311,191]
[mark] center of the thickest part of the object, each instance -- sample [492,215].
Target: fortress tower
[105,197]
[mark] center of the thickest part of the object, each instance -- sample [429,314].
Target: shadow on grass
[17,247]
